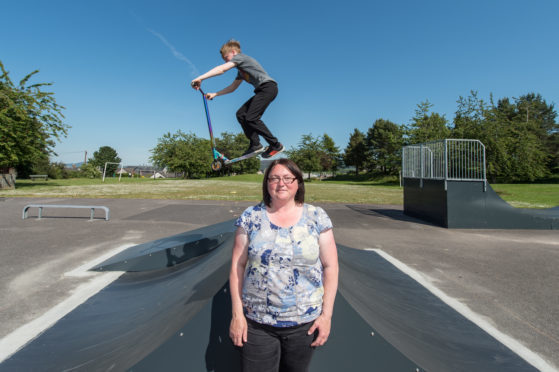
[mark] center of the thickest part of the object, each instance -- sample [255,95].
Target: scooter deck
[247,156]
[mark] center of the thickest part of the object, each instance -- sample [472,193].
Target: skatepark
[122,294]
[446,261]
[456,280]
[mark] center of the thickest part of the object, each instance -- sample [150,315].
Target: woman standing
[284,276]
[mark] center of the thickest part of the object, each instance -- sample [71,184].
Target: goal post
[105,170]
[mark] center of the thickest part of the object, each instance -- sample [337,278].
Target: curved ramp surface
[177,318]
[170,251]
[472,205]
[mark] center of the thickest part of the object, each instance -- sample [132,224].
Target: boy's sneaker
[273,150]
[253,149]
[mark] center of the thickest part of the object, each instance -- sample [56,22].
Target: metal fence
[448,159]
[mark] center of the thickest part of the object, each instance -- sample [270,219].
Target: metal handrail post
[421,161]
[445,163]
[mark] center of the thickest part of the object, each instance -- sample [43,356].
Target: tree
[523,152]
[532,108]
[106,154]
[470,117]
[30,121]
[355,152]
[233,146]
[329,155]
[315,154]
[384,143]
[427,127]
[515,144]
[183,152]
[307,155]
[553,145]
[476,119]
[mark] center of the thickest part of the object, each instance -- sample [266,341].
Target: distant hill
[73,165]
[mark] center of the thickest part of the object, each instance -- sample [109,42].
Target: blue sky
[122,68]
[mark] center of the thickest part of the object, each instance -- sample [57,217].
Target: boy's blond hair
[229,46]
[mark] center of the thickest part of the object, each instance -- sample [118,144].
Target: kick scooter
[219,159]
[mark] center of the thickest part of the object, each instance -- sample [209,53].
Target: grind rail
[42,206]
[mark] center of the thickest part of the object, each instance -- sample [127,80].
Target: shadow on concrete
[393,214]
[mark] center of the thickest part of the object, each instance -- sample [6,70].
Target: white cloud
[178,55]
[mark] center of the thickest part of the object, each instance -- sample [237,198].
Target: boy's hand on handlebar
[196,83]
[211,96]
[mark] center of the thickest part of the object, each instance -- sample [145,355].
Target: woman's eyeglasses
[286,179]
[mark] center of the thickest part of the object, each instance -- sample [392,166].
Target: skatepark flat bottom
[505,276]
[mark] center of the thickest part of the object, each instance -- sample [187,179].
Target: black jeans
[250,113]
[275,349]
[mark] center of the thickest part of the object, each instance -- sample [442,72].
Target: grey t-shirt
[250,70]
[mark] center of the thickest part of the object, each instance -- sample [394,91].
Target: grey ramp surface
[471,204]
[498,213]
[127,320]
[36,255]
[192,213]
[170,251]
[353,344]
[156,317]
[416,322]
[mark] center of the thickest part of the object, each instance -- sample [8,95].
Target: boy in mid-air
[266,89]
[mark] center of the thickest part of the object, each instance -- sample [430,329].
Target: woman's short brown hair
[294,169]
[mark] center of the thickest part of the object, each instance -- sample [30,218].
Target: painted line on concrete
[531,357]
[17,339]
[83,270]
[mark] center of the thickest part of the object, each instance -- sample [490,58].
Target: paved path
[507,278]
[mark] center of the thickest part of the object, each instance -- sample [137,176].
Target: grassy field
[245,187]
[248,187]
[529,195]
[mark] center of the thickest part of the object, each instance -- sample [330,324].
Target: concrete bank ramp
[175,317]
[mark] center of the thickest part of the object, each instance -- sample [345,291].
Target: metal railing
[448,160]
[90,207]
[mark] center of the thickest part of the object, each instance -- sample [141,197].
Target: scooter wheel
[216,165]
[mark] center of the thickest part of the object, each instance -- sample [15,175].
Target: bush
[57,171]
[89,170]
[52,170]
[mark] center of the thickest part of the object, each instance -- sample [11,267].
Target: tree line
[520,135]
[192,156]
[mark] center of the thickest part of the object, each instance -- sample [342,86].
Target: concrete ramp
[176,318]
[470,205]
[170,251]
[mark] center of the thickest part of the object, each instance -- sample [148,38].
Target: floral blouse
[283,278]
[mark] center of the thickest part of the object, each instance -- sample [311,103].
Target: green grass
[388,181]
[342,189]
[533,195]
[242,178]
[242,187]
